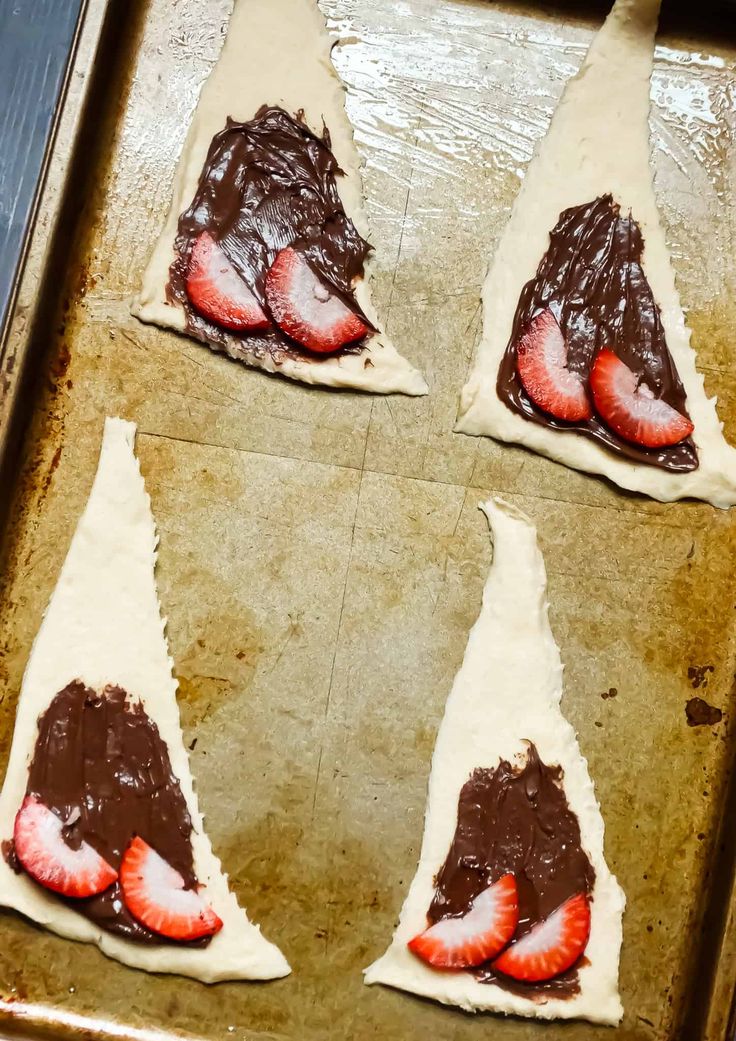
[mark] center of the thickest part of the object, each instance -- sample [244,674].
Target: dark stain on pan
[85,280]
[700,714]
[35,478]
[59,365]
[684,617]
[51,470]
[698,675]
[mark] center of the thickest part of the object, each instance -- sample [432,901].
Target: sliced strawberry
[630,408]
[551,947]
[41,849]
[218,292]
[305,309]
[541,361]
[484,930]
[154,893]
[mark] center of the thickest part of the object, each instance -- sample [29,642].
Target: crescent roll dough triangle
[507,694]
[277,52]
[103,626]
[597,144]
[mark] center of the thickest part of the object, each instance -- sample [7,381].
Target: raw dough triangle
[277,52]
[508,691]
[103,625]
[597,142]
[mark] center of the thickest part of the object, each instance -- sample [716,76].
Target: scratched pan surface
[322,556]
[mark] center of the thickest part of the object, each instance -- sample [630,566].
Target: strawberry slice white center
[305,309]
[541,362]
[552,946]
[485,929]
[630,409]
[218,292]
[41,849]
[154,893]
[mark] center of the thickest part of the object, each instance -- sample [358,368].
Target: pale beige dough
[597,142]
[103,625]
[277,52]
[506,693]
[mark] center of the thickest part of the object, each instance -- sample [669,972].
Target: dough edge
[292,68]
[574,163]
[476,731]
[119,500]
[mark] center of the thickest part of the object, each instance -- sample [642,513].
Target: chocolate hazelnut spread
[515,819]
[267,184]
[592,280]
[101,764]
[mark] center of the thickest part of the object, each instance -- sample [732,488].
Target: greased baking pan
[321,553]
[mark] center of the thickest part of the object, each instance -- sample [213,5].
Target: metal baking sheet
[322,556]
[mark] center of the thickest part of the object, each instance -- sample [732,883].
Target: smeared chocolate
[592,280]
[101,763]
[515,819]
[7,847]
[267,184]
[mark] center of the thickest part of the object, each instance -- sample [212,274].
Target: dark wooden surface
[36,41]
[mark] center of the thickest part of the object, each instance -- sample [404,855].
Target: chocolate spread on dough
[102,761]
[267,184]
[592,280]
[515,819]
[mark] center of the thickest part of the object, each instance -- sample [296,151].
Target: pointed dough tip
[496,506]
[104,624]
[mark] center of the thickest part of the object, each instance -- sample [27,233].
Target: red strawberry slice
[630,408]
[551,947]
[541,362]
[41,849]
[305,309]
[218,292]
[484,930]
[154,893]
